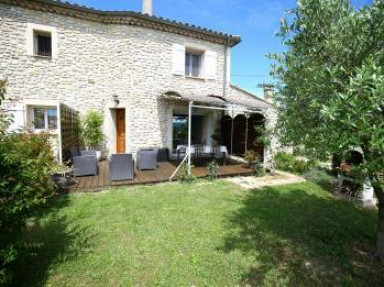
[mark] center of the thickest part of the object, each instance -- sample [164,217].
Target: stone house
[62,60]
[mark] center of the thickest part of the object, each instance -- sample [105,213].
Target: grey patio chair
[84,165]
[162,155]
[121,167]
[147,159]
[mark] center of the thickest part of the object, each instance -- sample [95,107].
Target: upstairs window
[193,64]
[44,118]
[42,44]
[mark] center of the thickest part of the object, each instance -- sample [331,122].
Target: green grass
[202,234]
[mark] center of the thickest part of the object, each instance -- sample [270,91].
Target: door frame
[117,111]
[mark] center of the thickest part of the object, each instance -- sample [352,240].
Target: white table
[207,149]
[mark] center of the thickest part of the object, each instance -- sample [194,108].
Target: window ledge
[47,131]
[42,57]
[195,78]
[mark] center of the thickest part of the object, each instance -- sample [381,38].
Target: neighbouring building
[62,60]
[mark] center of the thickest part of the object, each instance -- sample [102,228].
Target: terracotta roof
[252,104]
[125,17]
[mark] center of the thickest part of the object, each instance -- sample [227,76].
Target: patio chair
[88,152]
[91,152]
[162,155]
[121,167]
[147,159]
[84,165]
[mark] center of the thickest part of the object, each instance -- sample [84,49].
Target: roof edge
[125,17]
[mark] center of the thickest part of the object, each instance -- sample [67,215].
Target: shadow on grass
[49,239]
[301,236]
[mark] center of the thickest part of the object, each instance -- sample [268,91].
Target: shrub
[212,169]
[258,169]
[183,174]
[251,157]
[92,128]
[26,165]
[321,177]
[288,162]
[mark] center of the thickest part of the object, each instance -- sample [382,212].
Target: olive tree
[331,91]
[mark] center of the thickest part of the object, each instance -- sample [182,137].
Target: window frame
[31,31]
[36,34]
[46,122]
[200,54]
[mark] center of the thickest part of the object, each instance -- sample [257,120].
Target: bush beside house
[290,163]
[27,164]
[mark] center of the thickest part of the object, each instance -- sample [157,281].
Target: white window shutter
[210,63]
[178,60]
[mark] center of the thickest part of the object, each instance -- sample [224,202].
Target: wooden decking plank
[148,176]
[199,171]
[161,174]
[92,182]
[101,174]
[116,182]
[82,181]
[106,180]
[138,176]
[166,170]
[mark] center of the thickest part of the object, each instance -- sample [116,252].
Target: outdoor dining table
[207,149]
[203,151]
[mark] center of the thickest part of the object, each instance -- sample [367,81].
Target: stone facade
[97,62]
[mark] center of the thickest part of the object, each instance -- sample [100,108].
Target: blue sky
[255,20]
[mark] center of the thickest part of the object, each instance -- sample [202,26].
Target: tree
[331,93]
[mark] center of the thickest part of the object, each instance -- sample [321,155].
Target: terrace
[162,173]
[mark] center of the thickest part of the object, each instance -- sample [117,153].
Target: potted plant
[92,131]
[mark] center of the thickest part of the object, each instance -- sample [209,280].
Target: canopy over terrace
[213,102]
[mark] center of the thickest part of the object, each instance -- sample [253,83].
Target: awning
[213,100]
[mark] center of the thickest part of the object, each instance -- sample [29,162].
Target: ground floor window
[43,118]
[180,130]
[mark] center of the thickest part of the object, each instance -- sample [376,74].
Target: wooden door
[120,130]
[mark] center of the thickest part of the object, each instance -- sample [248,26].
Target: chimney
[269,90]
[147,7]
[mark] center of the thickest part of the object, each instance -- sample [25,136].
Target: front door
[120,130]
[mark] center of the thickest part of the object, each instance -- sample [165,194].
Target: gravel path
[252,182]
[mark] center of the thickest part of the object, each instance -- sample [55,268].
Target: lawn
[202,234]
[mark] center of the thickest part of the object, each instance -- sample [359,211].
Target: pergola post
[231,130]
[189,135]
[246,132]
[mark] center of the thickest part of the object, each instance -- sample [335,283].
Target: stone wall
[97,61]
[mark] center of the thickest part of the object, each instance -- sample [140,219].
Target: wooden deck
[162,174]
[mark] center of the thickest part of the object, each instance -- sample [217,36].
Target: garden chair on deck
[121,167]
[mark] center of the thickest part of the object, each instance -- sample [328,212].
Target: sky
[255,20]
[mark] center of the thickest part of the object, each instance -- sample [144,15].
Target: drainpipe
[232,131]
[246,133]
[227,68]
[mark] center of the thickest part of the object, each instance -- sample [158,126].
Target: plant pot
[61,181]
